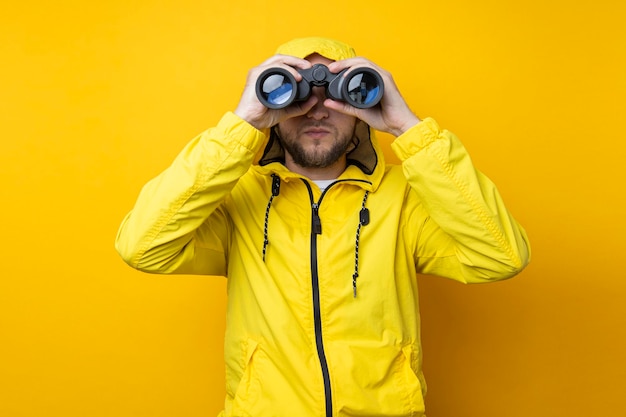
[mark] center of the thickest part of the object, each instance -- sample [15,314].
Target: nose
[319,111]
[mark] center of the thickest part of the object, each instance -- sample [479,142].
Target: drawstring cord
[275,192]
[364,219]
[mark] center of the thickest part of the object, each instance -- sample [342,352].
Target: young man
[321,241]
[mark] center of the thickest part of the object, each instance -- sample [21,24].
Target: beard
[317,155]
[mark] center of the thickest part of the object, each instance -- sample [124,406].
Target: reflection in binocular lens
[277,89]
[363,88]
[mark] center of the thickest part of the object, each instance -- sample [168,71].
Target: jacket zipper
[316,229]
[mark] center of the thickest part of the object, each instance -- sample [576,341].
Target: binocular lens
[363,90]
[277,89]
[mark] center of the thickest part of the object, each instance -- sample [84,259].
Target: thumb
[300,108]
[341,107]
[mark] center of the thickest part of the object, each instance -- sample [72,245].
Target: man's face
[320,137]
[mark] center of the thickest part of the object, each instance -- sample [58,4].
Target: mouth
[316,132]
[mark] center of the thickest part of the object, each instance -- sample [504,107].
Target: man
[321,241]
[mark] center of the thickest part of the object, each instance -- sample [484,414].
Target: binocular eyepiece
[277,88]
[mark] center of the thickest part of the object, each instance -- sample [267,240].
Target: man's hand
[250,108]
[392,115]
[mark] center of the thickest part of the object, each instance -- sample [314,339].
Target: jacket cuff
[416,138]
[234,127]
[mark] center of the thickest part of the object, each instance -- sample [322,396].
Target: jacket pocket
[377,381]
[244,387]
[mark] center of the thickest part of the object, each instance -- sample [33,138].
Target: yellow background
[98,97]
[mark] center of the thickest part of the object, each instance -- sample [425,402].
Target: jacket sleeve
[468,235]
[177,224]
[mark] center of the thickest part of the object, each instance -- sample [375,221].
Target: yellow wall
[97,97]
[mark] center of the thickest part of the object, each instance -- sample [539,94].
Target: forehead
[316,58]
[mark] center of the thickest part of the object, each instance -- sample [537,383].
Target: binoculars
[277,88]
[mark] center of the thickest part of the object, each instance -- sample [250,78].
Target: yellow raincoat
[322,313]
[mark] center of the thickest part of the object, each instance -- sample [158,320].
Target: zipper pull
[316,226]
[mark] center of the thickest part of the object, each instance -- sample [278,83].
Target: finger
[338,66]
[341,107]
[285,59]
[288,62]
[300,108]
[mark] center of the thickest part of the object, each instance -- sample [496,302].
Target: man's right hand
[254,112]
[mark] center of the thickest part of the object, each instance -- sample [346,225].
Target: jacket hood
[366,155]
[329,48]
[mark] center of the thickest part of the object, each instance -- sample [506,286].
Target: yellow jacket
[322,313]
